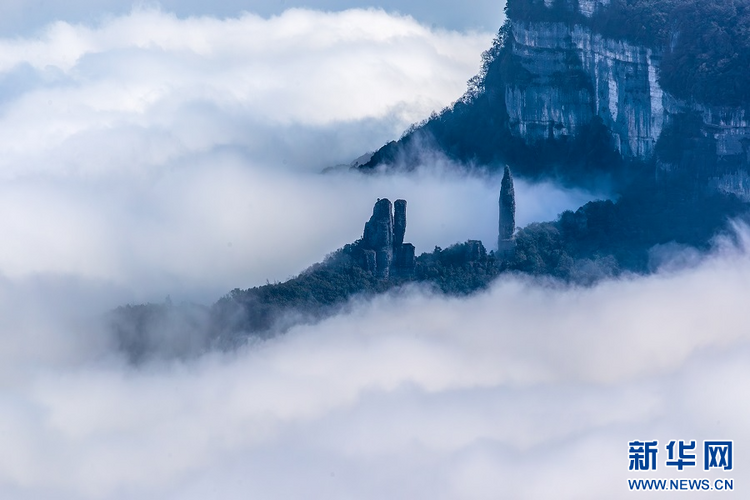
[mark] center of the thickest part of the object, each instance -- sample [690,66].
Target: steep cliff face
[566,73]
[584,89]
[576,75]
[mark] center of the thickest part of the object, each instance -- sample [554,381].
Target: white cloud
[525,391]
[149,88]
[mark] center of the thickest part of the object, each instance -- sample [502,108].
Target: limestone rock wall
[576,75]
[570,74]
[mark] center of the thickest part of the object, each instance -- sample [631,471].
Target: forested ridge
[602,239]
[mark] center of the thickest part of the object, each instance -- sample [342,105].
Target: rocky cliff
[574,75]
[563,71]
[571,73]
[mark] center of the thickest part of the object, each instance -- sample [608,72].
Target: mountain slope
[584,89]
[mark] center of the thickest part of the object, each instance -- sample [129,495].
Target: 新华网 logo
[680,455]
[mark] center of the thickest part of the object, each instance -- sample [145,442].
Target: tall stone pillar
[507,221]
[399,222]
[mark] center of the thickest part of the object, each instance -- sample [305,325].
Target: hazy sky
[143,153]
[24,16]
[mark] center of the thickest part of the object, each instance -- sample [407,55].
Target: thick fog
[147,155]
[527,391]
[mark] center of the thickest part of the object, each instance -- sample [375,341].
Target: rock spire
[507,222]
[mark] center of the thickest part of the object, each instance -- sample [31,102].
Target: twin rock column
[383,241]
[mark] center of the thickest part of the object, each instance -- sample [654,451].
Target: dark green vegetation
[605,238]
[706,44]
[316,293]
[602,239]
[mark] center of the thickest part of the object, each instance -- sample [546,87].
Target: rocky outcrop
[370,261]
[404,259]
[708,143]
[475,251]
[576,74]
[587,7]
[383,249]
[507,218]
[566,73]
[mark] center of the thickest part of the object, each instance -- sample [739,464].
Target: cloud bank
[166,87]
[526,391]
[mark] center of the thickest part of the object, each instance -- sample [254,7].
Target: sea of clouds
[147,155]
